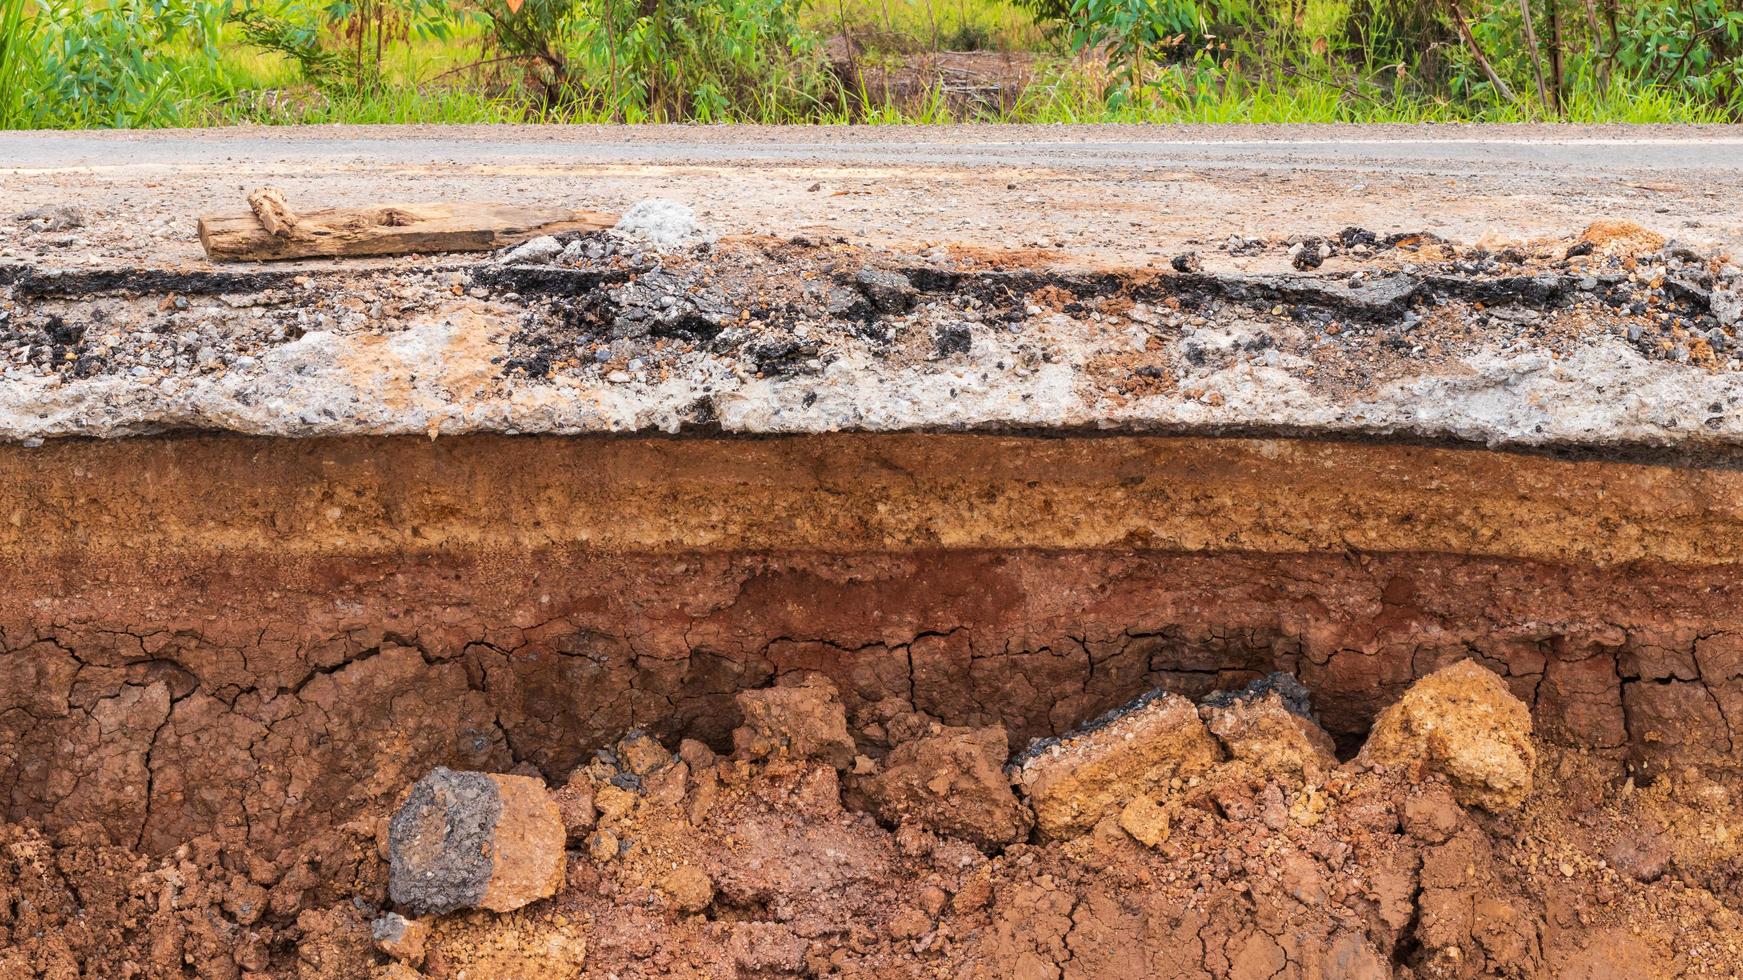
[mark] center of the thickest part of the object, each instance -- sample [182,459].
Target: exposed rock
[696,755]
[614,802]
[603,845]
[535,252]
[1141,748]
[1643,855]
[1145,820]
[1462,722]
[891,292]
[1264,732]
[1727,305]
[952,338]
[474,840]
[575,806]
[1295,695]
[642,754]
[690,888]
[805,719]
[1308,255]
[665,223]
[952,781]
[52,217]
[400,938]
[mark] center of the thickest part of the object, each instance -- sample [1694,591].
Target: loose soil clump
[761,865]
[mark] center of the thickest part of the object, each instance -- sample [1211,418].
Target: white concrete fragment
[538,251]
[664,223]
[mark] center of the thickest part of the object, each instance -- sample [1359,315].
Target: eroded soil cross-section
[814,583]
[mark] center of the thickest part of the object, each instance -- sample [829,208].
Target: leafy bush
[1477,51]
[538,35]
[301,42]
[339,43]
[636,60]
[107,65]
[168,62]
[1697,45]
[707,60]
[1133,32]
[16,61]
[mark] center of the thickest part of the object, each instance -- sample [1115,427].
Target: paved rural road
[1484,149]
[1104,193]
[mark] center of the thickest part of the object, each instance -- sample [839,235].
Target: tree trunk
[1557,78]
[1476,50]
[1536,55]
[1600,60]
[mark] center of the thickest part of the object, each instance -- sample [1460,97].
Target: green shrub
[112,65]
[340,43]
[299,41]
[538,37]
[17,61]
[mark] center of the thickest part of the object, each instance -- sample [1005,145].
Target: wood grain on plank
[389,229]
[272,212]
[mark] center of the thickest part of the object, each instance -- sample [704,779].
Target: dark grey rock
[782,356]
[438,843]
[891,292]
[1308,255]
[952,338]
[1728,306]
[53,217]
[847,304]
[1294,694]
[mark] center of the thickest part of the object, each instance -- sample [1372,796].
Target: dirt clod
[469,840]
[690,888]
[1463,722]
[1146,821]
[1143,748]
[402,939]
[1266,734]
[805,719]
[575,806]
[952,782]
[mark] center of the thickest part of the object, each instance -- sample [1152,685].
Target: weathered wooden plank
[388,229]
[272,212]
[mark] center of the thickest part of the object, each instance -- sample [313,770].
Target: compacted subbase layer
[260,638]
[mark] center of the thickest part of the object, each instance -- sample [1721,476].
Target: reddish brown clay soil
[225,658]
[707,866]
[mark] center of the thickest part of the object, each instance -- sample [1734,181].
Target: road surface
[1098,194]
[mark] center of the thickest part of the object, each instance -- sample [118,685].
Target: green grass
[203,75]
[13,51]
[1074,94]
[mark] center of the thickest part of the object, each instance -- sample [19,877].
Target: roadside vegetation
[136,63]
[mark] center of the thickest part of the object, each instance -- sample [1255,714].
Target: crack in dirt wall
[258,639]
